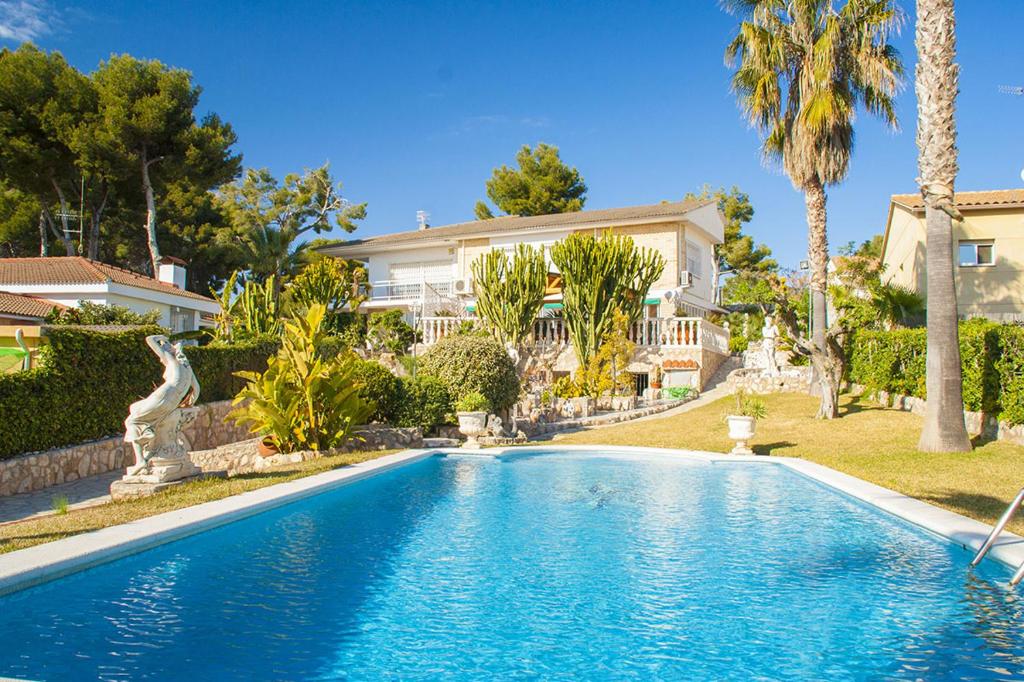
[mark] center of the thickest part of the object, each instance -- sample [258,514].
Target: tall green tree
[737,255]
[510,291]
[147,117]
[541,185]
[43,102]
[599,276]
[270,218]
[936,87]
[802,69]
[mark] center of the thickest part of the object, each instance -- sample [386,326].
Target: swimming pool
[574,565]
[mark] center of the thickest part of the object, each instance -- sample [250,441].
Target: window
[182,319]
[694,258]
[973,254]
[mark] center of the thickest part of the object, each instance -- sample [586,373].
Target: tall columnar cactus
[510,291]
[600,275]
[256,309]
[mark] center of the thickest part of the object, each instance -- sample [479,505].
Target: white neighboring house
[66,280]
[426,273]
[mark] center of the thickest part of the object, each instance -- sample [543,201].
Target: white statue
[154,424]
[769,336]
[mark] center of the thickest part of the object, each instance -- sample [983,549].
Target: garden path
[85,492]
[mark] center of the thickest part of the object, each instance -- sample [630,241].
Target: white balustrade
[653,332]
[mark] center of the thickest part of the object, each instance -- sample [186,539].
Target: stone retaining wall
[243,457]
[753,380]
[978,423]
[38,470]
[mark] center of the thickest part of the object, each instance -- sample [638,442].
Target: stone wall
[243,457]
[35,471]
[977,422]
[789,380]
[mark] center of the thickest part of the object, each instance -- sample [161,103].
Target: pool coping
[33,566]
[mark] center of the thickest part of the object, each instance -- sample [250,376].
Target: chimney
[172,271]
[423,219]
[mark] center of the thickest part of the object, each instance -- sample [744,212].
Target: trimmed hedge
[991,356]
[421,401]
[473,362]
[87,380]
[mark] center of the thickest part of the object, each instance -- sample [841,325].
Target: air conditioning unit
[685,279]
[463,286]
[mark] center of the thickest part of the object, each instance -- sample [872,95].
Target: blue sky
[415,103]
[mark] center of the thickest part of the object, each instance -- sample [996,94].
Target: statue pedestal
[125,489]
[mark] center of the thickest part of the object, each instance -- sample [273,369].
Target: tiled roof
[514,223]
[986,199]
[28,306]
[79,270]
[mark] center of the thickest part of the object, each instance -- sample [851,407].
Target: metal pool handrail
[1000,525]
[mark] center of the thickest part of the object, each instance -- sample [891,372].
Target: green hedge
[473,362]
[87,380]
[992,358]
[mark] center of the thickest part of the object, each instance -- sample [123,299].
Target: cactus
[600,275]
[510,291]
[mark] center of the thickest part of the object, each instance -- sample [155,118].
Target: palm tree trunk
[823,381]
[936,86]
[817,252]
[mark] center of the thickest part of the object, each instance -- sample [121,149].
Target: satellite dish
[1022,173]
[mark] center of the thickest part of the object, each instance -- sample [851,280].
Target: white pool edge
[32,566]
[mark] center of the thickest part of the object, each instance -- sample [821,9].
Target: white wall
[379,264]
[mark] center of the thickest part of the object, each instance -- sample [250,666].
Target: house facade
[427,274]
[33,286]
[989,251]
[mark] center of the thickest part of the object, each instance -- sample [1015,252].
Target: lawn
[868,441]
[25,534]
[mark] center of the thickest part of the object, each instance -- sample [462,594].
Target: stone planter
[621,403]
[741,430]
[472,425]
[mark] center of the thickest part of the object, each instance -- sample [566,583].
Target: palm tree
[802,68]
[270,251]
[935,86]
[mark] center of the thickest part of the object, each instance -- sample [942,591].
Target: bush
[991,356]
[382,388]
[425,402]
[303,401]
[87,312]
[468,363]
[87,379]
[388,331]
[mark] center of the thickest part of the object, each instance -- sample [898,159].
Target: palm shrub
[473,362]
[510,291]
[332,282]
[304,401]
[599,276]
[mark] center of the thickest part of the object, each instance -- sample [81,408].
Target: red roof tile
[79,270]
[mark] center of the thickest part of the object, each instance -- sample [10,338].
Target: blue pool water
[571,566]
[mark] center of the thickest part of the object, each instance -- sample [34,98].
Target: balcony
[655,332]
[406,291]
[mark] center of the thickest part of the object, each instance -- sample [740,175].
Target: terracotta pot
[266,447]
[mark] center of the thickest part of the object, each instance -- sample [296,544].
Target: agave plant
[303,401]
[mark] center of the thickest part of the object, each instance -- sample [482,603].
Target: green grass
[72,522]
[868,441]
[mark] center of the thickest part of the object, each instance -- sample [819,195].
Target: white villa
[31,287]
[426,273]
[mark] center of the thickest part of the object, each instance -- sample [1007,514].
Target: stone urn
[472,425]
[741,430]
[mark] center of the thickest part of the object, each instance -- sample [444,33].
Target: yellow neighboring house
[989,251]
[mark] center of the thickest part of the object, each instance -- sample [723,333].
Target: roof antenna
[423,219]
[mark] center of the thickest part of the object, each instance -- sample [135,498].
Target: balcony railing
[406,290]
[552,332]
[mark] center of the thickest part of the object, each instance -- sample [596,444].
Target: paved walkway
[85,492]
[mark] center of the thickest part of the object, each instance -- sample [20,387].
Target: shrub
[382,388]
[991,356]
[473,402]
[303,401]
[676,392]
[87,312]
[566,387]
[468,363]
[87,379]
[425,402]
[390,332]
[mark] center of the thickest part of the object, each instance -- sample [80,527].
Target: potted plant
[742,424]
[472,410]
